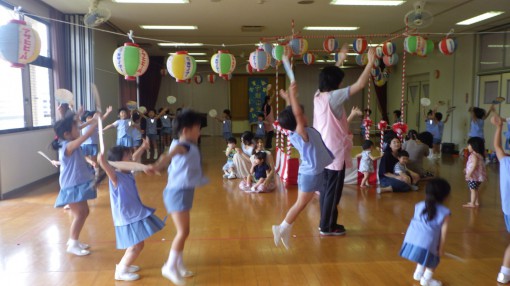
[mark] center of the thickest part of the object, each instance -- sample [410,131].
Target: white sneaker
[77,250]
[122,275]
[133,268]
[502,278]
[417,275]
[81,245]
[175,277]
[430,282]
[253,189]
[186,273]
[232,176]
[225,176]
[285,235]
[276,235]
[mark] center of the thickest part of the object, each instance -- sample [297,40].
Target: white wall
[455,81]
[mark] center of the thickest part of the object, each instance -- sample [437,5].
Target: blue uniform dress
[504,186]
[151,128]
[314,156]
[260,132]
[166,124]
[184,174]
[227,129]
[133,221]
[89,146]
[76,178]
[421,243]
[123,136]
[476,128]
[365,163]
[136,135]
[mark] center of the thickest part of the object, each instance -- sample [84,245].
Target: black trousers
[269,140]
[330,194]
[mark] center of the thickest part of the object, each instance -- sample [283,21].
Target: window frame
[41,61]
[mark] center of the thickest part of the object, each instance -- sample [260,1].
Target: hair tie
[56,137]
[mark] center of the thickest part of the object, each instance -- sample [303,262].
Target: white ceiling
[219,21]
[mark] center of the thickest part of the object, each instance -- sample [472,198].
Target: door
[417,88]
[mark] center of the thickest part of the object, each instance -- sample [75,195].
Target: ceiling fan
[96,15]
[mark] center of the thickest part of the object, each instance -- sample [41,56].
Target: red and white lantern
[330,45]
[308,58]
[447,46]
[360,45]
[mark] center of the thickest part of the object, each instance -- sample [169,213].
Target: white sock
[180,262]
[72,242]
[505,270]
[419,268]
[172,259]
[428,274]
[285,226]
[121,268]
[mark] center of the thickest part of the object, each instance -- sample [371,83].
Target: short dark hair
[426,138]
[232,140]
[479,112]
[122,109]
[261,155]
[187,119]
[402,153]
[117,152]
[398,113]
[330,78]
[478,145]
[412,135]
[62,126]
[367,144]
[439,116]
[260,115]
[286,119]
[136,116]
[247,137]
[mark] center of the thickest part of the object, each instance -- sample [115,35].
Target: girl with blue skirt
[134,222]
[76,177]
[425,236]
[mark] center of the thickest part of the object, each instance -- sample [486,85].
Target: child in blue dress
[366,163]
[426,234]
[226,121]
[136,130]
[260,132]
[122,125]
[134,222]
[184,174]
[314,155]
[151,130]
[478,116]
[76,178]
[166,127]
[504,187]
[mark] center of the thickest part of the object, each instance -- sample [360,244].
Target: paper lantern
[389,48]
[412,44]
[181,66]
[260,60]
[376,63]
[227,76]
[223,63]
[299,46]
[211,78]
[267,47]
[379,52]
[360,45]
[330,45]
[390,60]
[375,72]
[308,58]
[131,105]
[198,79]
[362,59]
[19,43]
[380,82]
[447,46]
[386,72]
[426,49]
[399,128]
[130,61]
[249,69]
[280,50]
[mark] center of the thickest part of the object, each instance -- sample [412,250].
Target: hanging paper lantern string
[223,63]
[281,50]
[403,87]
[130,60]
[330,45]
[360,45]
[299,46]
[382,127]
[19,43]
[447,46]
[181,66]
[308,58]
[389,48]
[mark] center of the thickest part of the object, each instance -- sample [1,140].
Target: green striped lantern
[427,49]
[413,44]
[280,50]
[181,66]
[130,61]
[223,63]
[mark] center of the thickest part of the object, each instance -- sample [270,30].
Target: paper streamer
[45,156]
[288,69]
[97,99]
[100,133]
[128,166]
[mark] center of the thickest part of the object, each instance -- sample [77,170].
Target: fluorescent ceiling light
[370,45]
[180,44]
[318,28]
[328,61]
[153,1]
[349,54]
[202,61]
[480,18]
[498,46]
[490,63]
[191,54]
[167,27]
[366,3]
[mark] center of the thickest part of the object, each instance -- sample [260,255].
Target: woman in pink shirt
[330,119]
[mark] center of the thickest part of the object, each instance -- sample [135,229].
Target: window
[26,94]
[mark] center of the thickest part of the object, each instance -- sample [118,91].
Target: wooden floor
[231,242]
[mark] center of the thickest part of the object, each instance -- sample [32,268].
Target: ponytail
[55,144]
[437,190]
